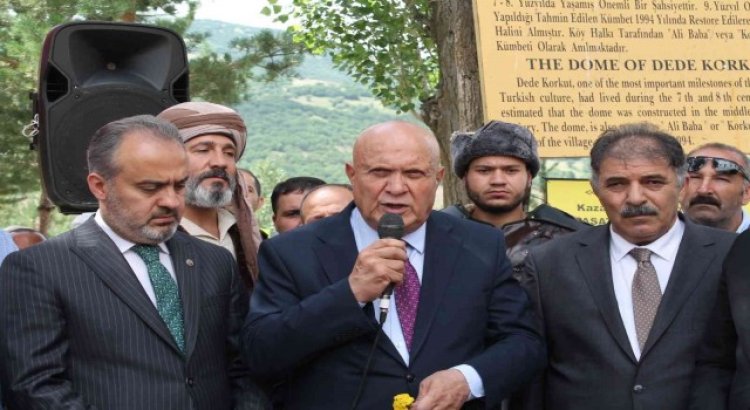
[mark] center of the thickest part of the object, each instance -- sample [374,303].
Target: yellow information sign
[570,69]
[575,197]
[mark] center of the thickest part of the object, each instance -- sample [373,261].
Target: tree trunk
[457,105]
[44,210]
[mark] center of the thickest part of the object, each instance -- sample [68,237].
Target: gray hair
[107,139]
[640,140]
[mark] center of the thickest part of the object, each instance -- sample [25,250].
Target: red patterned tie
[407,301]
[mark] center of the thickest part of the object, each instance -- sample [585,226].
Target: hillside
[304,125]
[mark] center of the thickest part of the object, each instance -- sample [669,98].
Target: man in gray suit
[623,306]
[122,312]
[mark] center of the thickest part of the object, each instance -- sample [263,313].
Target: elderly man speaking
[461,329]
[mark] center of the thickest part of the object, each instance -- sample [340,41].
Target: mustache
[165,212]
[214,173]
[640,210]
[707,200]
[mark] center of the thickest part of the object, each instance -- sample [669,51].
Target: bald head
[325,200]
[395,169]
[387,132]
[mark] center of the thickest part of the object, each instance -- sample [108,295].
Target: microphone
[389,226]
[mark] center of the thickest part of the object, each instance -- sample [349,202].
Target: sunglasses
[721,165]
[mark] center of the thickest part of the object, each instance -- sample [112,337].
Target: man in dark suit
[461,327]
[122,312]
[722,373]
[624,305]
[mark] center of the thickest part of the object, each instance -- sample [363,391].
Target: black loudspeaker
[92,73]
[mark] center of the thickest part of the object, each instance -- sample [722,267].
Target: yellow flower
[402,401]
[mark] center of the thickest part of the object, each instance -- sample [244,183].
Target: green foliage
[269,174]
[383,44]
[23,212]
[224,77]
[220,77]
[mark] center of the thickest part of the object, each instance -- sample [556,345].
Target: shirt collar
[745,223]
[665,247]
[122,244]
[226,221]
[366,235]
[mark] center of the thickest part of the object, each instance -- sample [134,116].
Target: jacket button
[637,388]
[410,377]
[189,381]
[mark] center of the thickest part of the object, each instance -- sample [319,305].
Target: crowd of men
[169,296]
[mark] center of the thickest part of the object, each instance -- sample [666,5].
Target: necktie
[646,294]
[407,301]
[168,301]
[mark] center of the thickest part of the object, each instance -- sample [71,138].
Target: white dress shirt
[364,236]
[136,263]
[745,222]
[664,251]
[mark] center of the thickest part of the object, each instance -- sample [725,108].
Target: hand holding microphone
[380,266]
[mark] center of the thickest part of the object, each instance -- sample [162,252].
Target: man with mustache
[624,306]
[718,186]
[124,312]
[215,137]
[497,164]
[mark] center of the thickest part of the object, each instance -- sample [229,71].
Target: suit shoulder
[445,219]
[64,240]
[304,235]
[721,236]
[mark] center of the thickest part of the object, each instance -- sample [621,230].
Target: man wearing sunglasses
[717,188]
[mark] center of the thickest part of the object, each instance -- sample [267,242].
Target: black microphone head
[391,226]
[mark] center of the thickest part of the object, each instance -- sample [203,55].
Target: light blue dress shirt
[745,221]
[364,236]
[6,245]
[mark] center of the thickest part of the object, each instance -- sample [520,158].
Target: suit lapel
[98,251]
[336,249]
[186,270]
[441,250]
[594,261]
[691,264]
[337,253]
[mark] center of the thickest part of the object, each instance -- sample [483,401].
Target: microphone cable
[366,370]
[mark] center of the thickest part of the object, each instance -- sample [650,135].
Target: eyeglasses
[721,165]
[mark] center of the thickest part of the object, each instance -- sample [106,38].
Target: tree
[418,56]
[219,77]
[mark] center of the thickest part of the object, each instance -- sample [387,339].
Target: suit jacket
[591,363]
[305,325]
[79,331]
[722,374]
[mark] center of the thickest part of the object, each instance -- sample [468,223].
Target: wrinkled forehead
[391,152]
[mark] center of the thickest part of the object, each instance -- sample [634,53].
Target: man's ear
[745,192]
[350,171]
[97,185]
